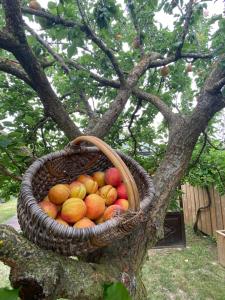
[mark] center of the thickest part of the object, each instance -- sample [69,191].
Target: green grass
[191,273]
[7,210]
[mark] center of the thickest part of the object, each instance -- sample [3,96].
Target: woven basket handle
[132,191]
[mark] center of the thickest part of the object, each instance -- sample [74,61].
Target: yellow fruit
[108,193]
[90,184]
[78,190]
[49,208]
[73,210]
[99,177]
[164,71]
[58,194]
[95,206]
[83,223]
[34,5]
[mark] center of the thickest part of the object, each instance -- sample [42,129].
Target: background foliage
[27,134]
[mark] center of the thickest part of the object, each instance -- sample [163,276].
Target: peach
[122,191]
[99,177]
[95,206]
[113,177]
[58,194]
[112,211]
[123,203]
[108,193]
[61,221]
[78,190]
[73,210]
[90,184]
[49,208]
[83,223]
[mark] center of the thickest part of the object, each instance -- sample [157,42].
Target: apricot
[122,191]
[61,221]
[83,223]
[34,5]
[189,68]
[90,184]
[49,208]
[99,177]
[164,71]
[108,193]
[112,211]
[95,206]
[73,210]
[78,190]
[58,194]
[113,177]
[123,203]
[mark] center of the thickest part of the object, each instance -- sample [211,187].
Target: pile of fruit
[87,201]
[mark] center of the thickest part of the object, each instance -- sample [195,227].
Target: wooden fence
[210,219]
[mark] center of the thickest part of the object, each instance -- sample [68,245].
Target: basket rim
[50,224]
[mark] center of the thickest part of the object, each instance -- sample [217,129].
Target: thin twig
[56,56]
[133,116]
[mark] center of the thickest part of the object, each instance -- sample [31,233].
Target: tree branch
[217,86]
[5,172]
[185,28]
[46,275]
[56,56]
[91,34]
[91,114]
[131,9]
[34,70]
[157,102]
[11,67]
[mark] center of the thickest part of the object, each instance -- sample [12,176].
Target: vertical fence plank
[184,202]
[210,219]
[218,208]
[213,212]
[197,196]
[188,205]
[222,200]
[204,202]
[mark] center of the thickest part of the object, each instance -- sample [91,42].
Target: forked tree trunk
[45,275]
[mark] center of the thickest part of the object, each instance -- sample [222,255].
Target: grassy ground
[188,274]
[191,273]
[7,210]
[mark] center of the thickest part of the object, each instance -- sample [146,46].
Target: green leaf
[8,294]
[29,120]
[4,141]
[71,50]
[116,291]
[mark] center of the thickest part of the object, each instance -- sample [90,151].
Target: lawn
[7,210]
[191,273]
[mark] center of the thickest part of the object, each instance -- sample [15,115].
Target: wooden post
[221,246]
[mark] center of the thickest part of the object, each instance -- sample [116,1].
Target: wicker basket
[65,166]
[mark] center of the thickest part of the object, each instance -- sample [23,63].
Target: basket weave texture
[63,167]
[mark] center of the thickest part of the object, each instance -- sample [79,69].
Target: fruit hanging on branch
[189,68]
[34,5]
[136,42]
[164,71]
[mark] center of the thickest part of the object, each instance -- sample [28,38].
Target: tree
[125,63]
